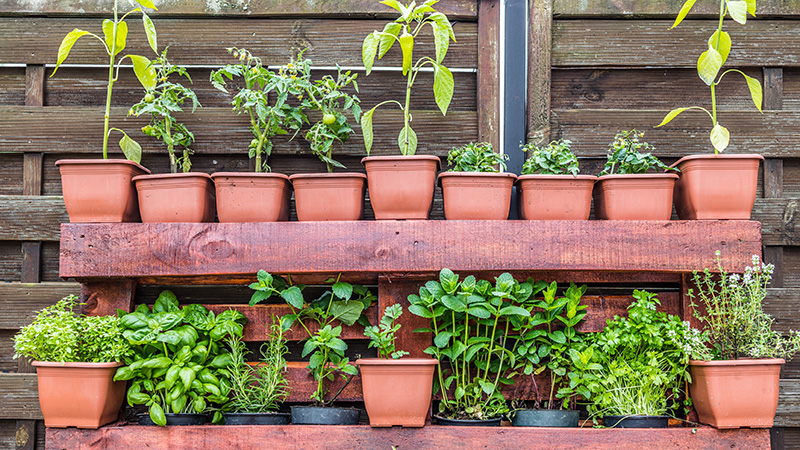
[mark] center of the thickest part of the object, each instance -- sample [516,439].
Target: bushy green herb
[161,102]
[627,155]
[344,302]
[382,336]
[474,157]
[735,319]
[57,334]
[555,159]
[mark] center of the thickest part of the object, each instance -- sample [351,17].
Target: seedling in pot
[554,159]
[474,157]
[382,336]
[628,157]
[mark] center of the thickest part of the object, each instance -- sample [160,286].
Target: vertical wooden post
[773,167]
[539,70]
[105,298]
[489,72]
[397,290]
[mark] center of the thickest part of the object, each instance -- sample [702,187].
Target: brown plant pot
[736,393]
[715,187]
[176,197]
[646,196]
[81,395]
[100,190]
[329,196]
[476,196]
[555,197]
[252,197]
[397,391]
[401,187]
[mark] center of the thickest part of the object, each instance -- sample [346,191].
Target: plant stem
[406,114]
[173,164]
[110,83]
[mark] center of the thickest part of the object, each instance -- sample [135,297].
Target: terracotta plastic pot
[252,197]
[555,197]
[81,395]
[176,197]
[476,196]
[100,190]
[715,187]
[646,196]
[397,391]
[401,187]
[329,196]
[736,393]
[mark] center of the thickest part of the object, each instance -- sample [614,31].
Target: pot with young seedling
[331,195]
[181,195]
[102,190]
[718,186]
[397,391]
[625,190]
[401,187]
[475,189]
[262,196]
[550,187]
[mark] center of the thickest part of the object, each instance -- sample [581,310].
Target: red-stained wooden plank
[392,292]
[175,250]
[430,437]
[104,298]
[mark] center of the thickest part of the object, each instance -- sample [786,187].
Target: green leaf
[346,312]
[150,31]
[738,10]
[479,312]
[441,42]
[443,23]
[115,45]
[145,72]
[443,86]
[221,361]
[708,65]
[672,114]
[514,310]
[308,347]
[147,4]
[558,336]
[393,4]
[454,303]
[720,136]
[157,363]
[369,49]
[407,45]
[487,387]
[157,415]
[751,7]
[684,11]
[167,301]
[724,47]
[389,35]
[442,339]
[124,373]
[342,290]
[755,91]
[366,129]
[407,140]
[66,46]
[293,296]
[187,376]
[420,311]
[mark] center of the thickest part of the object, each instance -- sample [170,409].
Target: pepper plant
[382,336]
[344,302]
[474,157]
[267,120]
[115,34]
[711,61]
[627,155]
[161,102]
[554,159]
[404,30]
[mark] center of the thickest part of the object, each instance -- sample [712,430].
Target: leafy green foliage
[160,102]
[344,302]
[734,315]
[627,155]
[267,119]
[57,334]
[555,159]
[382,336]
[405,30]
[473,157]
[178,357]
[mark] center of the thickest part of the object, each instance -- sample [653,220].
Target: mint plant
[404,30]
[554,159]
[627,155]
[473,157]
[115,33]
[382,336]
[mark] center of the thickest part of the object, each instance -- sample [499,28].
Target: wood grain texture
[667,9]
[13,81]
[155,250]
[782,303]
[20,301]
[391,292]
[31,218]
[489,71]
[788,413]
[773,88]
[34,40]
[217,131]
[539,71]
[25,435]
[19,396]
[773,178]
[779,217]
[774,256]
[105,297]
[429,437]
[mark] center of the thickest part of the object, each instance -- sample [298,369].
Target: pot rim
[69,162]
[718,156]
[348,408]
[629,176]
[536,176]
[249,174]
[308,176]
[739,362]
[637,416]
[163,176]
[478,174]
[389,158]
[496,419]
[77,365]
[268,413]
[397,362]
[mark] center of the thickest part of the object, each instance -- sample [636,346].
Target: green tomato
[149,97]
[328,119]
[254,143]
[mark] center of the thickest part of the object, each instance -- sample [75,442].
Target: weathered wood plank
[31,218]
[455,9]
[156,250]
[396,291]
[774,256]
[779,220]
[650,43]
[32,40]
[105,297]
[539,71]
[25,435]
[217,131]
[773,178]
[22,300]
[788,414]
[13,81]
[773,88]
[429,437]
[782,303]
[666,9]
[489,72]
[19,396]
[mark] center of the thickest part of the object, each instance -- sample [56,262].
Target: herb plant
[261,387]
[161,102]
[327,96]
[179,354]
[382,336]
[267,120]
[344,302]
[711,61]
[734,317]
[555,159]
[57,334]
[627,155]
[473,157]
[405,30]
[115,33]
[471,322]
